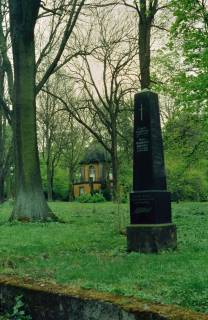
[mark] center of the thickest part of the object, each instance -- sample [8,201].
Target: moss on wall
[51,301]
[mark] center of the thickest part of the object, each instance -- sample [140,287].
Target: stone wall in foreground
[45,301]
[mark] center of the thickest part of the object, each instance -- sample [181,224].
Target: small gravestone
[151,228]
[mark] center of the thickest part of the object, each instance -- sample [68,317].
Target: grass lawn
[88,252]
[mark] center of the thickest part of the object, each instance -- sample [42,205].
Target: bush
[84,198]
[188,185]
[107,194]
[97,197]
[88,198]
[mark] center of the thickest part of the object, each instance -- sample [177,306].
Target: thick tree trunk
[1,138]
[30,203]
[1,160]
[144,52]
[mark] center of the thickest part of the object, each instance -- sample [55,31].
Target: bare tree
[6,96]
[104,89]
[51,132]
[5,132]
[77,138]
[61,140]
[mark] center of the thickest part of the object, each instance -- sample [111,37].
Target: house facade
[95,174]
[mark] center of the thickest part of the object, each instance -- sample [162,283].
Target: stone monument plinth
[151,228]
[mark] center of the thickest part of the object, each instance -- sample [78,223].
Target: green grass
[88,252]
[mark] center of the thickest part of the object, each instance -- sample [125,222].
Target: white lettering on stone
[142,139]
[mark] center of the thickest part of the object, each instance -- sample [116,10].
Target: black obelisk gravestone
[151,229]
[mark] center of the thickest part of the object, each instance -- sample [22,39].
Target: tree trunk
[49,183]
[115,175]
[30,203]
[144,51]
[71,183]
[1,138]
[1,155]
[71,192]
[114,158]
[2,198]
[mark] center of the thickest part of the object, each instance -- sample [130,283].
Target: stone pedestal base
[151,238]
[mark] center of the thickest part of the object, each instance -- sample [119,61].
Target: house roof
[94,155]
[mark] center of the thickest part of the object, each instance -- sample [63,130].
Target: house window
[92,173]
[82,173]
[81,191]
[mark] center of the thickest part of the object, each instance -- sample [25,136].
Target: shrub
[88,198]
[84,198]
[188,185]
[107,194]
[98,197]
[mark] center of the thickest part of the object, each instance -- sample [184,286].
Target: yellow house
[95,174]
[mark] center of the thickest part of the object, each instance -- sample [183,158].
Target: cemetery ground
[89,252]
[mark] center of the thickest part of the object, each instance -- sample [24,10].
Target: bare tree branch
[73,16]
[77,118]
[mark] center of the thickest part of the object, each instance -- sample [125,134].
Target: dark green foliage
[60,185]
[189,185]
[190,35]
[107,194]
[18,311]
[185,142]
